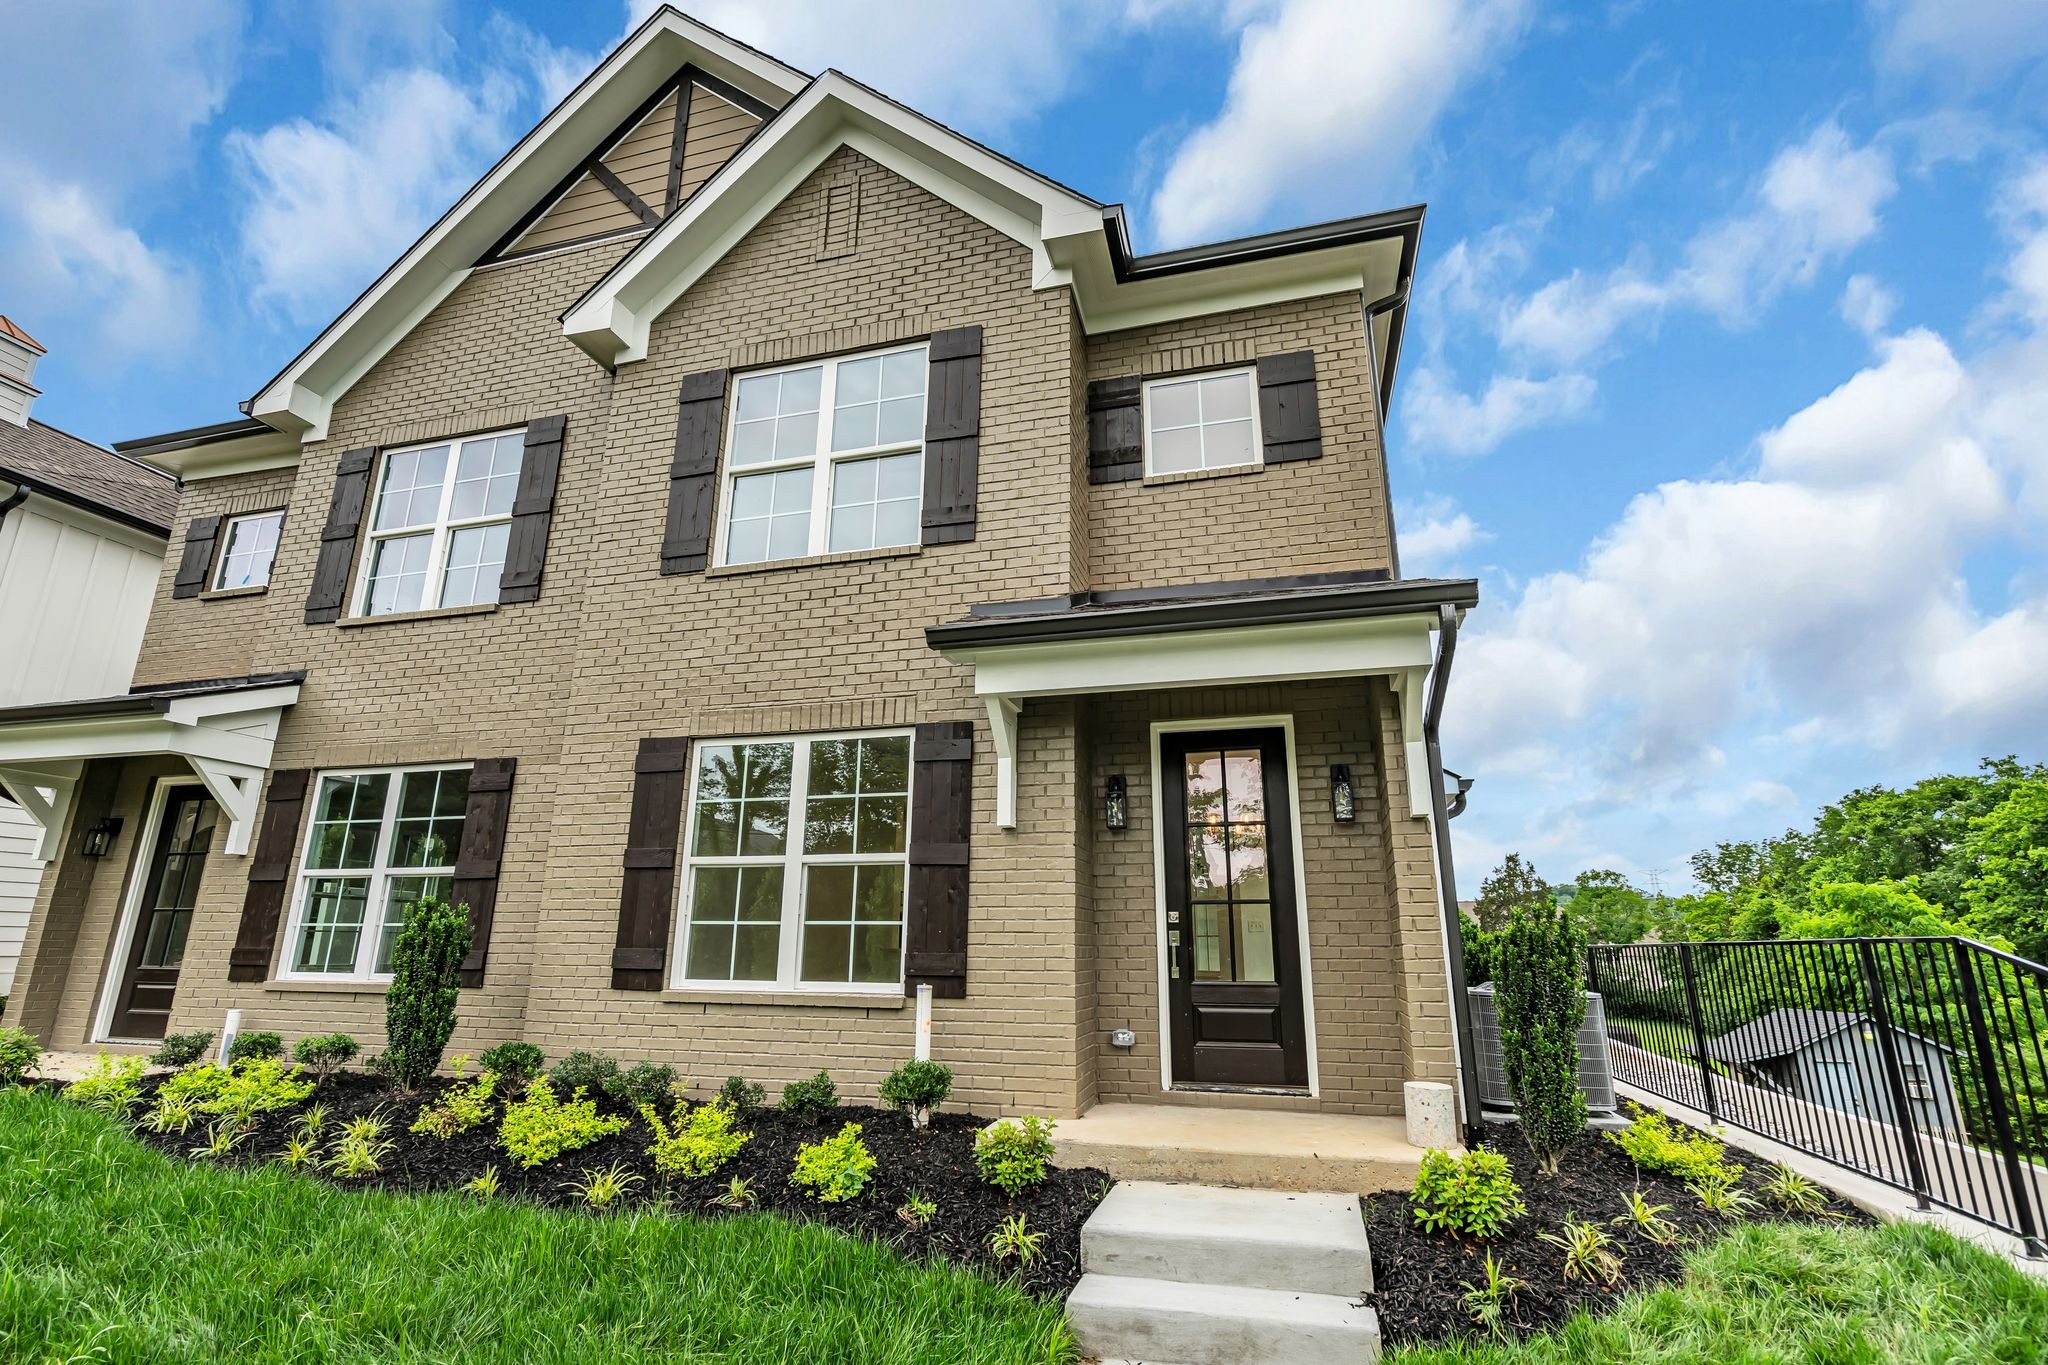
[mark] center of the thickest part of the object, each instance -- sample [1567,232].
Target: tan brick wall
[1410,864]
[218,637]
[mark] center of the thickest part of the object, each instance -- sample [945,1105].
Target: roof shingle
[80,472]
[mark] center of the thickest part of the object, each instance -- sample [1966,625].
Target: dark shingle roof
[1786,1031]
[62,466]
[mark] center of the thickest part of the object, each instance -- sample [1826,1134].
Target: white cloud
[1439,416]
[1867,305]
[1326,102]
[74,258]
[1434,535]
[1978,39]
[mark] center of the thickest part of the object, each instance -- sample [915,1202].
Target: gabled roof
[58,465]
[1785,1031]
[8,327]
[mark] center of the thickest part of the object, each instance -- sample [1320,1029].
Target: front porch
[1250,1148]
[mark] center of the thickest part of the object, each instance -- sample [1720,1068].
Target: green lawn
[111,1252]
[1797,1292]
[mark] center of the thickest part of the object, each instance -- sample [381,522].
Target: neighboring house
[82,535]
[763,552]
[1835,1058]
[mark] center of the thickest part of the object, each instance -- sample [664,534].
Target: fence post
[1699,1031]
[1994,1097]
[1894,1075]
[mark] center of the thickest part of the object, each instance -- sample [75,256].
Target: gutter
[1447,876]
[83,503]
[12,501]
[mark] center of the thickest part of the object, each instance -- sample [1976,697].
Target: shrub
[180,1050]
[1012,1155]
[255,1086]
[195,1084]
[1655,1143]
[1588,1252]
[221,1139]
[258,1043]
[460,1108]
[592,1071]
[1471,1196]
[1015,1238]
[919,1087]
[361,1148]
[1718,1193]
[701,1142]
[1793,1192]
[171,1114]
[515,1063]
[834,1169]
[19,1054]
[1541,1005]
[300,1151]
[602,1189]
[1479,947]
[917,1211]
[426,979]
[809,1101]
[1488,1304]
[644,1084]
[538,1127]
[112,1086]
[1647,1218]
[737,1194]
[485,1185]
[745,1096]
[325,1053]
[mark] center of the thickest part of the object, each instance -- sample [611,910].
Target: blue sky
[1727,374]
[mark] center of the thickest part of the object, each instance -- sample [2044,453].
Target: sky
[1727,371]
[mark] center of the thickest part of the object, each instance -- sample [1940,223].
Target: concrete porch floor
[1250,1148]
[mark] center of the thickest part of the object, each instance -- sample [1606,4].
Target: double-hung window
[379,842]
[247,548]
[795,870]
[1201,421]
[825,457]
[439,524]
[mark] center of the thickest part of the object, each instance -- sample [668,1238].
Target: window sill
[1230,471]
[349,986]
[849,1000]
[438,613]
[815,561]
[220,594]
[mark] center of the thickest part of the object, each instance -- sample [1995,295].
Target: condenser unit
[1596,1077]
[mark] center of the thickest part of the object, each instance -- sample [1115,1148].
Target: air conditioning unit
[1596,1077]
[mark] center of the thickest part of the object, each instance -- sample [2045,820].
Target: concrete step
[1258,1239]
[1117,1317]
[1258,1148]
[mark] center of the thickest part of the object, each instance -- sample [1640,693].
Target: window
[247,550]
[795,869]
[1917,1084]
[1201,421]
[845,436]
[439,524]
[379,842]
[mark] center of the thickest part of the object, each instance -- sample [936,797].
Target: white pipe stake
[228,1031]
[924,1023]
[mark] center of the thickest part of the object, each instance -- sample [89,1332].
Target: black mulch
[1419,1279]
[937,1163]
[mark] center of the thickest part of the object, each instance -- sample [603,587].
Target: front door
[163,913]
[1233,943]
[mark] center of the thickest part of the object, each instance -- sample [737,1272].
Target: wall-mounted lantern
[100,838]
[1116,803]
[1343,803]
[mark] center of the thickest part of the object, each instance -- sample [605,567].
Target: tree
[426,978]
[2007,853]
[1611,910]
[1512,884]
[1478,948]
[1540,997]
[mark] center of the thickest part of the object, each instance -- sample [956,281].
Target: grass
[1660,1036]
[112,1252]
[1796,1292]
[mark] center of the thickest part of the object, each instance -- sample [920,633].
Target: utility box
[1596,1076]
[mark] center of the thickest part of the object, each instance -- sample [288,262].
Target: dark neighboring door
[1233,946]
[170,887]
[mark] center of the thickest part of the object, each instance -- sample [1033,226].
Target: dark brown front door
[1233,947]
[163,913]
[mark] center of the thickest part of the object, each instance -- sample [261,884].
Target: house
[764,552]
[1836,1058]
[82,536]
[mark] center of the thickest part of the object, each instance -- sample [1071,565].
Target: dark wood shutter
[533,509]
[1116,436]
[693,474]
[647,895]
[200,538]
[941,828]
[270,874]
[338,540]
[952,435]
[1288,420]
[475,883]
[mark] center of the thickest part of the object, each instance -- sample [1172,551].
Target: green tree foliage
[1541,1001]
[1479,947]
[1611,910]
[2006,852]
[1514,883]
[419,1009]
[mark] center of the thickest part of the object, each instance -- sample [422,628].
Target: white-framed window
[1202,421]
[439,522]
[380,841]
[1918,1085]
[825,457]
[794,869]
[248,547]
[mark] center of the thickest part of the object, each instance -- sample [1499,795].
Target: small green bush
[647,1083]
[1012,1154]
[745,1096]
[180,1050]
[460,1108]
[515,1063]
[918,1087]
[1540,996]
[325,1053]
[701,1142]
[256,1044]
[539,1127]
[592,1071]
[256,1085]
[361,1147]
[426,982]
[20,1053]
[834,1169]
[195,1084]
[1471,1196]
[809,1101]
[1655,1143]
[112,1086]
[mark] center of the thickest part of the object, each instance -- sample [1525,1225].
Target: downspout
[1446,873]
[1397,299]
[12,501]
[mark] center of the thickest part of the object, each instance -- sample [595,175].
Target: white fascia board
[1107,304]
[301,398]
[249,454]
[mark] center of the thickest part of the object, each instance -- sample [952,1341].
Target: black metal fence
[1919,1062]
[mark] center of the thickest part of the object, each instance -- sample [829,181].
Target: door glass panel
[1254,941]
[165,946]
[1229,880]
[167,913]
[1212,942]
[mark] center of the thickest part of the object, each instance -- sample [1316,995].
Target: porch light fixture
[100,838]
[1116,803]
[1343,806]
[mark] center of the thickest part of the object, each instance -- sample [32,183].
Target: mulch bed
[937,1163]
[1419,1278]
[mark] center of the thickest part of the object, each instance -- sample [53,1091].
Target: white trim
[1250,375]
[44,792]
[216,579]
[131,903]
[1285,724]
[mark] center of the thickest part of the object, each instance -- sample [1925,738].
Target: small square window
[1203,421]
[247,551]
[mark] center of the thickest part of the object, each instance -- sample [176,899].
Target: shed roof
[1785,1031]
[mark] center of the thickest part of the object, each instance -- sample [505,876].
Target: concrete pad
[69,1066]
[1201,1234]
[1121,1318]
[1256,1148]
